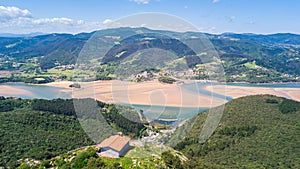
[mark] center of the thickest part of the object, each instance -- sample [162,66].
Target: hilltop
[245,57]
[255,132]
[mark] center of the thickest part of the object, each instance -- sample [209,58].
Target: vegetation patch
[272,101]
[289,106]
[242,131]
[166,79]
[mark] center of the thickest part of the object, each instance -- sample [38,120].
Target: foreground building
[114,147]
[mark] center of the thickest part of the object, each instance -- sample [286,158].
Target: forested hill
[42,129]
[255,132]
[246,57]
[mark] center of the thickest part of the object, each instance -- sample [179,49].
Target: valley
[62,98]
[53,57]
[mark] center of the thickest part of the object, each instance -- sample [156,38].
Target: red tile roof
[115,142]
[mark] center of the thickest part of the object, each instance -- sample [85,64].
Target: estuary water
[151,111]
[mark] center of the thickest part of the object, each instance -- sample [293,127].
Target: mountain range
[245,57]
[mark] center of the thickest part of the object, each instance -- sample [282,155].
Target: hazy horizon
[31,34]
[211,16]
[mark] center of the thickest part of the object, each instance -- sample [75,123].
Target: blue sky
[213,16]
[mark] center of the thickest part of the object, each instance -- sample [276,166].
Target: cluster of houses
[148,75]
[118,145]
[65,67]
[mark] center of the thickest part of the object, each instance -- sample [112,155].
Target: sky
[211,16]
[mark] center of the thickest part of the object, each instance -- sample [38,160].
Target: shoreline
[156,93]
[10,91]
[242,91]
[60,83]
[269,83]
[145,93]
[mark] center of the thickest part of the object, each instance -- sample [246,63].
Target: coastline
[65,84]
[230,91]
[11,91]
[61,84]
[241,91]
[156,93]
[145,93]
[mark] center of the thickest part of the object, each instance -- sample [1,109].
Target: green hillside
[42,129]
[255,132]
[248,58]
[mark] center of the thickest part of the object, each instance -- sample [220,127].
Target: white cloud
[141,1]
[107,21]
[215,1]
[16,20]
[11,12]
[65,21]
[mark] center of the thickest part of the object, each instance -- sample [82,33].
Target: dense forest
[42,129]
[113,114]
[255,132]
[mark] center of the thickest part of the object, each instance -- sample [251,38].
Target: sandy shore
[11,91]
[240,91]
[154,93]
[61,84]
[146,93]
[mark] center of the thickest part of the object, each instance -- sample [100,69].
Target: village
[153,140]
